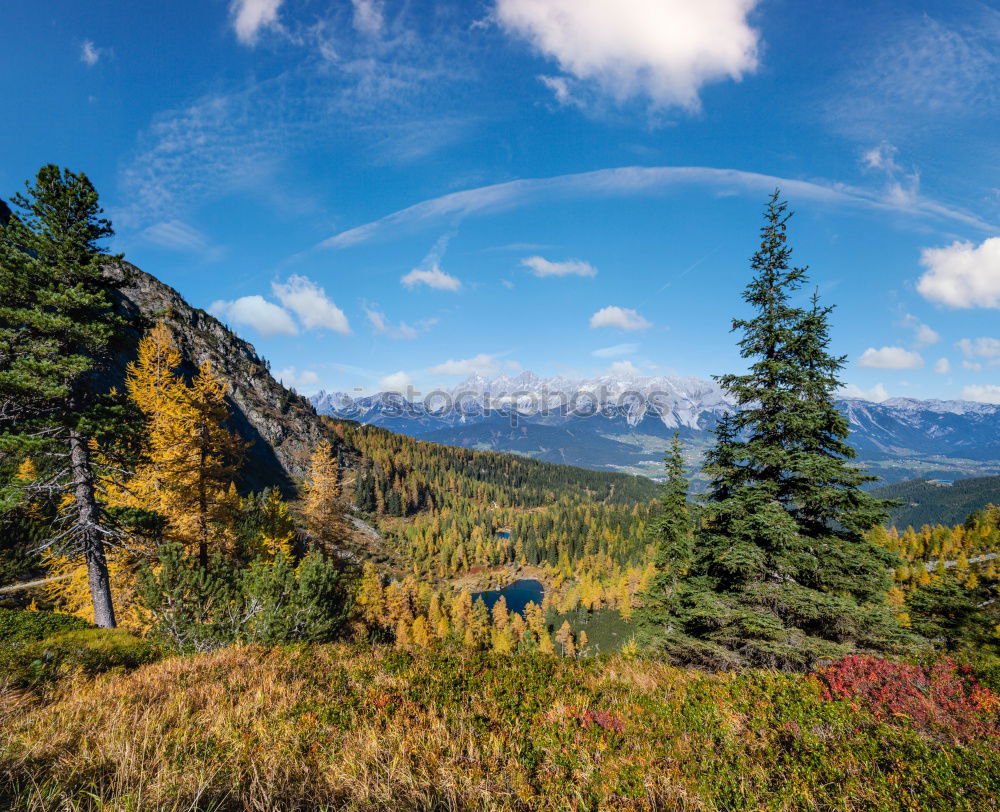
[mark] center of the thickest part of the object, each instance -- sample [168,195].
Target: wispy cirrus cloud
[923,73]
[540,266]
[242,135]
[616,351]
[176,235]
[381,324]
[635,180]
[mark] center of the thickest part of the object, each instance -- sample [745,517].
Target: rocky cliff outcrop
[281,427]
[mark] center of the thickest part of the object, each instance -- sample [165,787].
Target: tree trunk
[88,534]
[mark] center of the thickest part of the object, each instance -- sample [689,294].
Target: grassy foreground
[356,727]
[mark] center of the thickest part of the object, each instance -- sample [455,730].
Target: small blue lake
[517,594]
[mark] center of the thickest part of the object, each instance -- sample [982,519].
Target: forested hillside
[923,501]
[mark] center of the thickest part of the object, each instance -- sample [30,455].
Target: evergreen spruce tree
[57,326]
[782,574]
[672,532]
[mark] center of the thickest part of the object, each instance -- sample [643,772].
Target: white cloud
[616,351]
[663,49]
[972,366]
[942,366]
[433,277]
[90,55]
[987,393]
[923,335]
[633,180]
[381,325]
[396,382]
[482,364]
[305,379]
[962,274]
[890,358]
[540,266]
[926,335]
[882,157]
[623,369]
[368,16]
[984,347]
[250,17]
[877,393]
[310,303]
[255,311]
[623,318]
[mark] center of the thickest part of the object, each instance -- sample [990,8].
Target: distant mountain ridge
[623,423]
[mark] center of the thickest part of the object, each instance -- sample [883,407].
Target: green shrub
[88,651]
[19,626]
[269,602]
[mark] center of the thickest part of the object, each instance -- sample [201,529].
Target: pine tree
[57,328]
[672,532]
[782,574]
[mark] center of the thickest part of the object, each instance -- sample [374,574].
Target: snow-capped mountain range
[623,423]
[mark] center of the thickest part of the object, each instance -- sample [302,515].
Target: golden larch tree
[322,506]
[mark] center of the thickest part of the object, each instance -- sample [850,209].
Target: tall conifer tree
[672,532]
[782,574]
[57,325]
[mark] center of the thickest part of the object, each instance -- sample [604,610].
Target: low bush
[21,626]
[943,698]
[88,651]
[270,602]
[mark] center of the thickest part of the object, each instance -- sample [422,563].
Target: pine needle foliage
[782,574]
[57,333]
[672,531]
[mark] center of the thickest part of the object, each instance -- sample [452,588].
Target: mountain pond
[517,594]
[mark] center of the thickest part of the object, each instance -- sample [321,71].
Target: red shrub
[943,698]
[602,719]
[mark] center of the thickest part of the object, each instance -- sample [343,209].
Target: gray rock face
[282,428]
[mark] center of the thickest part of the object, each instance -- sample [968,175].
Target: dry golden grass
[356,728]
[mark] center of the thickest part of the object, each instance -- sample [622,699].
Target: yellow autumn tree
[420,633]
[192,455]
[186,477]
[322,506]
[370,596]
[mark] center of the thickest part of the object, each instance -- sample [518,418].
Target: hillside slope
[280,427]
[927,502]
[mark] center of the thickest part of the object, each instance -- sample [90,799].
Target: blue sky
[378,193]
